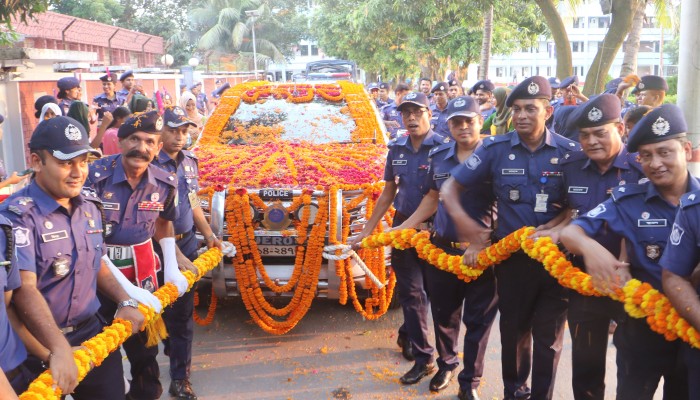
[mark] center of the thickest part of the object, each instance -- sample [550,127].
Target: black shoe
[416,373]
[467,394]
[182,390]
[441,380]
[406,347]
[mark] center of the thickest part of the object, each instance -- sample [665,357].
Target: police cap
[64,137]
[415,98]
[568,81]
[194,85]
[68,83]
[125,75]
[611,86]
[384,86]
[439,86]
[534,87]
[462,106]
[453,82]
[554,82]
[175,117]
[662,123]
[111,77]
[597,111]
[485,85]
[220,90]
[149,122]
[372,86]
[652,82]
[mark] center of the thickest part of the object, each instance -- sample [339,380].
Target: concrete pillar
[689,76]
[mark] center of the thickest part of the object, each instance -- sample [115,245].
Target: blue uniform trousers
[145,373]
[410,282]
[533,309]
[178,319]
[589,323]
[692,362]
[454,301]
[643,357]
[105,382]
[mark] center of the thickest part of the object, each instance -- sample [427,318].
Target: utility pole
[689,77]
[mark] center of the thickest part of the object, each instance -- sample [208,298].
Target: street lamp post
[254,14]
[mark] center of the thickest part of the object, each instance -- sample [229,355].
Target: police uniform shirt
[390,113]
[683,248]
[122,94]
[408,168]
[528,185]
[202,102]
[64,105]
[638,213]
[12,351]
[63,249]
[186,169]
[130,215]
[586,187]
[487,113]
[443,159]
[106,104]
[439,121]
[381,104]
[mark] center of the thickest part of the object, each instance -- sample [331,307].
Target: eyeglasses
[416,113]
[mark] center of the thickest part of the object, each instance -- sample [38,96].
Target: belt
[183,235]
[69,329]
[444,242]
[13,373]
[116,252]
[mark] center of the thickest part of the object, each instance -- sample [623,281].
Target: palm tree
[227,30]
[629,61]
[486,43]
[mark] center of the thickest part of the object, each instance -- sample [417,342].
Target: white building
[307,51]
[586,28]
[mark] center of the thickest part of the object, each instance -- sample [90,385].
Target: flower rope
[641,300]
[94,350]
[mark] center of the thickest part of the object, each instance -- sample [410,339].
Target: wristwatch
[128,303]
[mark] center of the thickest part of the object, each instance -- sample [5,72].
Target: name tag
[512,171]
[578,189]
[110,206]
[52,236]
[441,176]
[651,223]
[399,162]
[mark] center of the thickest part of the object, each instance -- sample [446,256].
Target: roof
[51,25]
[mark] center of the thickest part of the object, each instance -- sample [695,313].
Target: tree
[486,43]
[664,11]
[561,38]
[21,10]
[104,11]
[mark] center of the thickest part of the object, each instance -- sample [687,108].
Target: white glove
[143,296]
[229,249]
[171,271]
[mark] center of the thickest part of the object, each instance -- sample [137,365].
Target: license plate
[277,251]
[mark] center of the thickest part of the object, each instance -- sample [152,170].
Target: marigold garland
[96,349]
[211,310]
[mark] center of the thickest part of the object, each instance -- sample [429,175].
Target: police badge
[676,235]
[473,161]
[653,251]
[594,115]
[61,266]
[660,127]
[514,194]
[533,88]
[108,229]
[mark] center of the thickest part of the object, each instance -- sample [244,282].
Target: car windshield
[318,121]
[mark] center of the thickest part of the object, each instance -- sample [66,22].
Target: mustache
[138,154]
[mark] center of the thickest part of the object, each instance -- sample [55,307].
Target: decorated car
[286,170]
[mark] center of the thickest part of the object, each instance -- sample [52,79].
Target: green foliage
[104,11]
[670,99]
[672,85]
[21,9]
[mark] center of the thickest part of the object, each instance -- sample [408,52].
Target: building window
[604,22]
[314,50]
[580,22]
[648,47]
[577,47]
[499,72]
[303,50]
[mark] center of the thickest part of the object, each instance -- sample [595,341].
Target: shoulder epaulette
[690,199]
[628,189]
[573,156]
[162,175]
[18,204]
[189,154]
[400,141]
[491,140]
[90,194]
[566,144]
[102,168]
[440,148]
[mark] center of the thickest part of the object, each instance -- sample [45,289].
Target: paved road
[331,354]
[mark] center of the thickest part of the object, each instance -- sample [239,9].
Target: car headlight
[313,210]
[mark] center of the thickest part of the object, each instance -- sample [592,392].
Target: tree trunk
[622,15]
[561,38]
[486,44]
[629,61]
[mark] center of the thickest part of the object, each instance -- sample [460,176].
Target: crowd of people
[604,177]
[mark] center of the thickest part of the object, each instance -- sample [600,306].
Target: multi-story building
[586,27]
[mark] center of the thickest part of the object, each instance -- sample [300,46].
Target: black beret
[415,98]
[126,74]
[111,77]
[453,82]
[149,122]
[652,82]
[534,87]
[439,86]
[662,123]
[485,85]
[568,81]
[599,110]
[611,86]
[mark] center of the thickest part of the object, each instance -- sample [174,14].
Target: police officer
[570,93]
[554,83]
[127,81]
[12,351]
[202,101]
[391,115]
[642,214]
[140,201]
[589,178]
[454,90]
[483,90]
[404,175]
[524,174]
[448,294]
[373,89]
[216,94]
[59,250]
[108,99]
[439,109]
[69,90]
[178,319]
[649,91]
[383,96]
